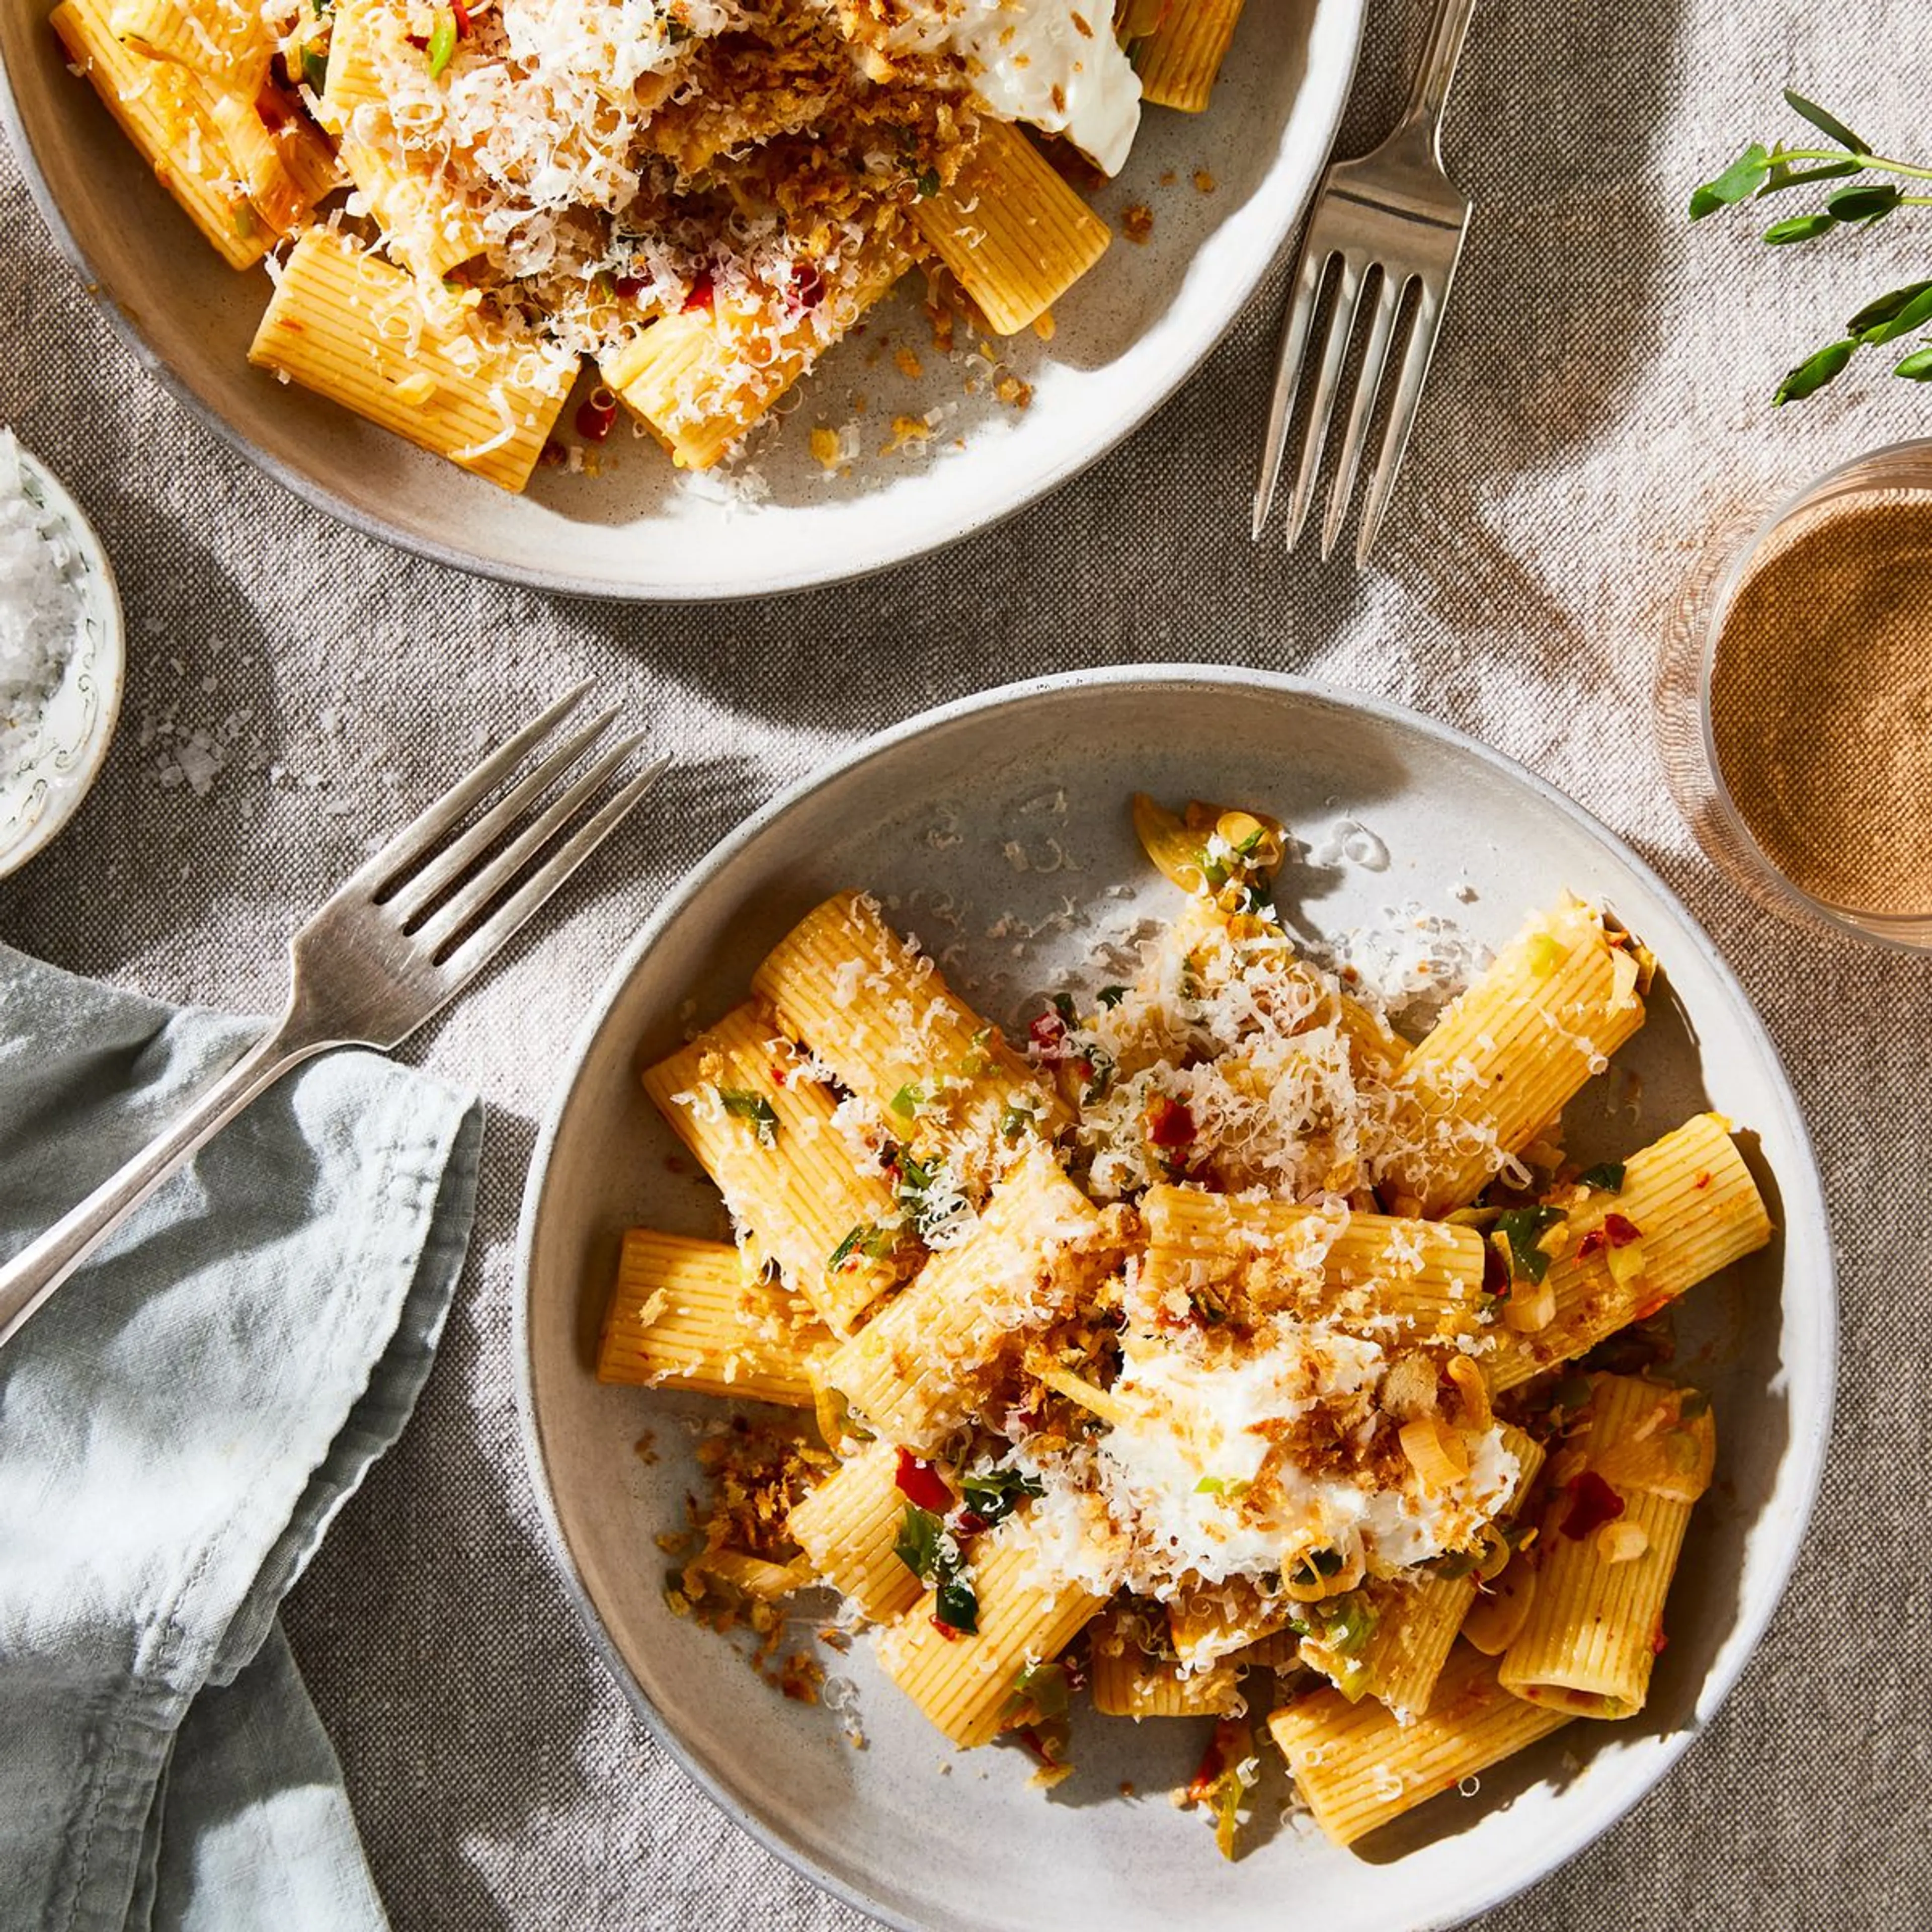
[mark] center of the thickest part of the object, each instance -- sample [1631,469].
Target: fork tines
[1386,223]
[457,891]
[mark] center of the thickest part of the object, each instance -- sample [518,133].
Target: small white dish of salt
[63,653]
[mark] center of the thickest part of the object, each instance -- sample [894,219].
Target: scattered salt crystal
[39,611]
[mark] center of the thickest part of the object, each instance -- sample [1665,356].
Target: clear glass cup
[1866,700]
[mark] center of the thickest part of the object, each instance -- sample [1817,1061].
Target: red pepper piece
[596,414]
[1593,1503]
[702,292]
[920,1482]
[1170,1122]
[1619,1232]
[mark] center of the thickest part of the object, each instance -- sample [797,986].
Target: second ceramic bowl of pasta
[1004,820]
[1212,196]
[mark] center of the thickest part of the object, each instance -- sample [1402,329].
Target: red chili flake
[1594,1242]
[1048,1035]
[946,1630]
[1620,1232]
[969,1522]
[920,1483]
[779,1075]
[1495,1270]
[1214,1762]
[464,25]
[1655,1305]
[1659,1643]
[626,286]
[1037,1744]
[1593,1504]
[701,292]
[596,414]
[1702,1180]
[1170,1123]
[808,288]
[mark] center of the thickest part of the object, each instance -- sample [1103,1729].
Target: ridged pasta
[882,1018]
[789,1181]
[1506,1058]
[1270,1255]
[1208,1624]
[1127,1682]
[1358,1766]
[847,1527]
[1695,1209]
[1014,235]
[227,42]
[685,377]
[931,1359]
[162,108]
[425,226]
[1594,1628]
[351,328]
[966,1685]
[1178,61]
[689,1314]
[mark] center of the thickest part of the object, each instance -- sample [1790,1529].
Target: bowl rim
[112,665]
[1788,1528]
[1241,289]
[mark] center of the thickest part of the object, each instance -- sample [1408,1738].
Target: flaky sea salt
[40,612]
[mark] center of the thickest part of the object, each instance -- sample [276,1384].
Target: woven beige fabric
[1599,402]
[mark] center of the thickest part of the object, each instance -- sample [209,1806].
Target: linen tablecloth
[1598,405]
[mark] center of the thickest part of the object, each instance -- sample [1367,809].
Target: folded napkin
[177,1427]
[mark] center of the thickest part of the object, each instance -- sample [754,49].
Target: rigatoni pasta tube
[1687,1207]
[228,43]
[847,1527]
[425,225]
[1128,1681]
[879,1014]
[688,376]
[1608,1549]
[353,328]
[738,1097]
[1358,1766]
[930,1360]
[1506,1058]
[1269,1255]
[966,1684]
[1178,61]
[690,1314]
[160,107]
[1013,232]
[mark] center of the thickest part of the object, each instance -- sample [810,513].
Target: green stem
[1864,161]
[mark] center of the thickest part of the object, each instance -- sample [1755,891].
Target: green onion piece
[957,1606]
[314,70]
[1523,1228]
[743,1104]
[994,1494]
[907,1101]
[917,1545]
[1606,1177]
[442,42]
[1111,997]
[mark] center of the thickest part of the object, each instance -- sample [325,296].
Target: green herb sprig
[1761,171]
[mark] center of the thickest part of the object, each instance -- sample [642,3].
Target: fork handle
[33,1275]
[1430,94]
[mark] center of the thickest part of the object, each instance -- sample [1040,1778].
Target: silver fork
[393,947]
[1394,212]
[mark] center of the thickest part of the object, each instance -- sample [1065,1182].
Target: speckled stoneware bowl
[1127,336]
[936,816]
[38,796]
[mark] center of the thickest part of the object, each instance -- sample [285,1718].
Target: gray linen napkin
[178,1428]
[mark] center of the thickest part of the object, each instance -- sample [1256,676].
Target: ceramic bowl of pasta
[675,298]
[1215,1285]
